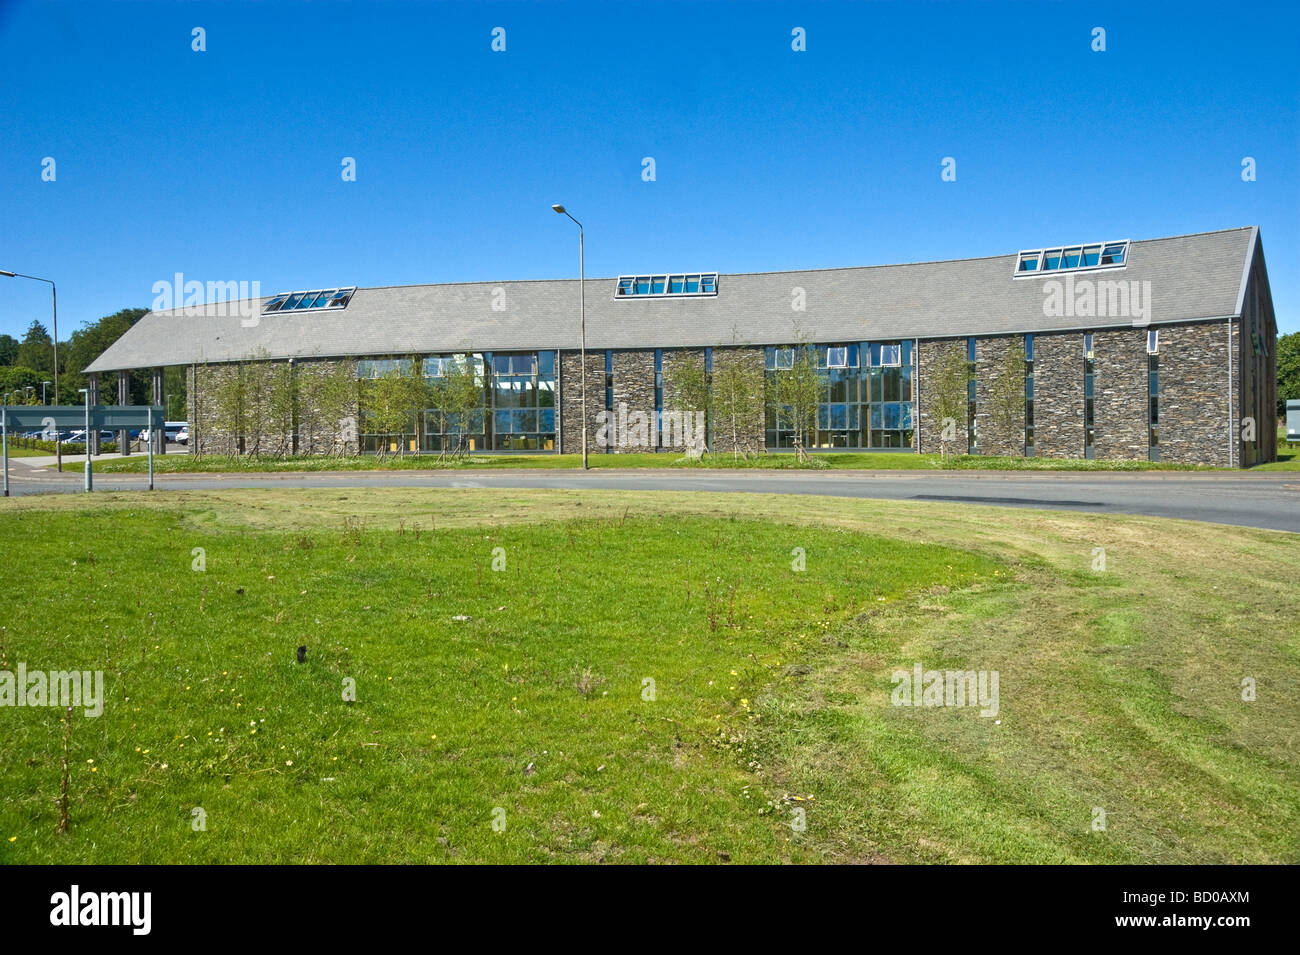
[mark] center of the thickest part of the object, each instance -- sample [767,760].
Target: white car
[183,435]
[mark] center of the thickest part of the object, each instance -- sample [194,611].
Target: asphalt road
[1262,499]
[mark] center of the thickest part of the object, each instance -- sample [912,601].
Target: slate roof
[1196,276]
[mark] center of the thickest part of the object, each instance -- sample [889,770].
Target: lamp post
[86,437]
[54,302]
[582,312]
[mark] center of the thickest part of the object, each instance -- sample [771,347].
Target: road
[1261,499]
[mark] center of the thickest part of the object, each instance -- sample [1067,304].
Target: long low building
[1155,349]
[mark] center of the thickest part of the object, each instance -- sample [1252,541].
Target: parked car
[183,435]
[171,432]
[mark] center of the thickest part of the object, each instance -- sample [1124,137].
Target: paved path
[1260,499]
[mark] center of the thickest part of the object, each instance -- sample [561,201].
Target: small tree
[1007,393]
[228,403]
[949,394]
[798,394]
[335,398]
[737,393]
[393,401]
[455,401]
[686,387]
[281,403]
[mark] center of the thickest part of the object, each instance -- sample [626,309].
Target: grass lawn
[1119,689]
[847,460]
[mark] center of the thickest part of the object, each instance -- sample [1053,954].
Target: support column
[92,385]
[158,437]
[124,398]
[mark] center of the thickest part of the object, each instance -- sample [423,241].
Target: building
[1158,349]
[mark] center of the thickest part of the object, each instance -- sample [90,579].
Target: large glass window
[445,430]
[523,401]
[376,434]
[867,400]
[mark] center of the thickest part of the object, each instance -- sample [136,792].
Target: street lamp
[43,384]
[582,312]
[54,301]
[86,436]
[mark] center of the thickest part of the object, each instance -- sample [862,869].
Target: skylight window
[667,285]
[315,299]
[1099,255]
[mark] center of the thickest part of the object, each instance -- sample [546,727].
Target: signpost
[51,418]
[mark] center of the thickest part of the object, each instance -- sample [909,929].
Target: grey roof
[1192,277]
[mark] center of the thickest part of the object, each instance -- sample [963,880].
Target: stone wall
[212,433]
[997,436]
[1120,394]
[1194,414]
[674,359]
[929,427]
[747,437]
[1058,395]
[571,399]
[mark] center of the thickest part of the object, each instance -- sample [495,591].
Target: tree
[736,391]
[1007,393]
[228,402]
[949,394]
[89,342]
[455,401]
[686,387]
[37,349]
[1288,370]
[798,394]
[392,403]
[8,350]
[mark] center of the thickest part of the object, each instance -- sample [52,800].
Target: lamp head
[557,208]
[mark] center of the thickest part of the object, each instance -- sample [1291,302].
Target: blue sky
[225,165]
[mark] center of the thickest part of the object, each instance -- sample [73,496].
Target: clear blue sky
[225,165]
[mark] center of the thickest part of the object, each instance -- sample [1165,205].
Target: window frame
[692,285]
[1079,250]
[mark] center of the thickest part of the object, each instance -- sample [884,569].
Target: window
[1153,341]
[317,298]
[780,359]
[1098,255]
[370,368]
[514,364]
[1114,253]
[1153,402]
[886,356]
[863,403]
[697,283]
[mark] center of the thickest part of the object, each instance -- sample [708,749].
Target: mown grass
[1120,689]
[849,460]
